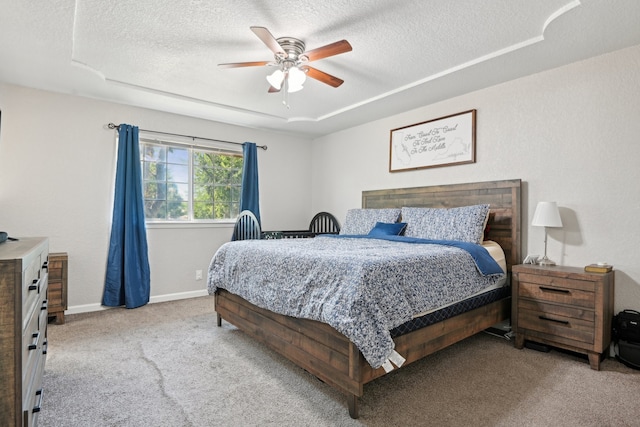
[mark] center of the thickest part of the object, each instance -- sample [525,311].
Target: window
[189,183]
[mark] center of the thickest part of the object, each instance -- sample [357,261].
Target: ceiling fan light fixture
[296,78]
[293,88]
[276,78]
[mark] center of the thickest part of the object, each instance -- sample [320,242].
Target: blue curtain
[128,278]
[250,197]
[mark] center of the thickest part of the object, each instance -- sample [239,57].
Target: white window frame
[221,149]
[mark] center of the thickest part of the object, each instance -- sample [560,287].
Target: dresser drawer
[32,339]
[31,284]
[548,292]
[34,395]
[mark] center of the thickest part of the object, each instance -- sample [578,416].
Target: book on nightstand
[598,268]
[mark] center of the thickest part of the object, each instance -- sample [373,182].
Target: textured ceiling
[163,54]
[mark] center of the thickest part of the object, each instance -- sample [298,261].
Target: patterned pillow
[465,224]
[361,221]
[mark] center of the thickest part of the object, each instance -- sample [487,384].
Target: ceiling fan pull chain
[285,92]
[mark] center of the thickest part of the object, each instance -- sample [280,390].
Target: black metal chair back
[247,227]
[324,223]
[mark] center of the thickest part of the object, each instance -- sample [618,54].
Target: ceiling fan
[291,60]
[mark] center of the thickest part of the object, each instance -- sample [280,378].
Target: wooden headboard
[502,196]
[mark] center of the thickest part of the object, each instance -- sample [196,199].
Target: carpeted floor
[167,364]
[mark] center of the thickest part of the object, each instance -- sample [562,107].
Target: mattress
[452,310]
[497,253]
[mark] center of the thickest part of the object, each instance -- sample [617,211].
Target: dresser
[23,329]
[564,307]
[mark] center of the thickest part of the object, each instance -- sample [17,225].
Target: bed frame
[329,355]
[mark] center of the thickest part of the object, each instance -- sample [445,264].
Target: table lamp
[546,215]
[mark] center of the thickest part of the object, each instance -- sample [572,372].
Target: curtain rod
[114,126]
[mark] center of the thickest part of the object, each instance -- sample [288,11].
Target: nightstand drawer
[55,295]
[558,294]
[558,310]
[559,282]
[557,326]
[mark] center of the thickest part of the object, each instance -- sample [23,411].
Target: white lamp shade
[276,79]
[296,78]
[547,215]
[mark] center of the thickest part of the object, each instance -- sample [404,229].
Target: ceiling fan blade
[273,89]
[329,50]
[268,39]
[323,77]
[244,64]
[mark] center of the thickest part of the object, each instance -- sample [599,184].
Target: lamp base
[546,262]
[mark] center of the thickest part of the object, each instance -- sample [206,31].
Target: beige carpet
[167,364]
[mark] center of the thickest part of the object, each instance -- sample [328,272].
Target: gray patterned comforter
[361,287]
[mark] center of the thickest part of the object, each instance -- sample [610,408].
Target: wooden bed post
[355,374]
[352,402]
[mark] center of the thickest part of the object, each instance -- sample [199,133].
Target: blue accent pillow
[387,229]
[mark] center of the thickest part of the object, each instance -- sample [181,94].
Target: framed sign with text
[449,140]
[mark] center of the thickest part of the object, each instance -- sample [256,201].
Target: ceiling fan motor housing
[293,48]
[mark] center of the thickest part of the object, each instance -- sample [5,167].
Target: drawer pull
[34,345]
[559,291]
[45,345]
[45,265]
[34,285]
[45,304]
[563,322]
[40,395]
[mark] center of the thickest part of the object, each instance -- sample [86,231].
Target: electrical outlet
[198,274]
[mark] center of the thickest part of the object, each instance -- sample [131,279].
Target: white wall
[571,134]
[57,161]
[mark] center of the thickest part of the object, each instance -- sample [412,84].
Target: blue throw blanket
[484,262]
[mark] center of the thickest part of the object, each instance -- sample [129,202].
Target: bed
[319,347]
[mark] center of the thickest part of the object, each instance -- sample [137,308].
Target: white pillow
[464,224]
[361,221]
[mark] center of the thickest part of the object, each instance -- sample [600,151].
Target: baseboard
[87,308]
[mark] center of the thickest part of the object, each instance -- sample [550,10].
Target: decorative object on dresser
[57,295]
[23,329]
[601,267]
[564,307]
[546,215]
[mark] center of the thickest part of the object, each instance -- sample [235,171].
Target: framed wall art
[449,140]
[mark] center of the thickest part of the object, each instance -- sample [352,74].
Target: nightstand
[565,307]
[57,293]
